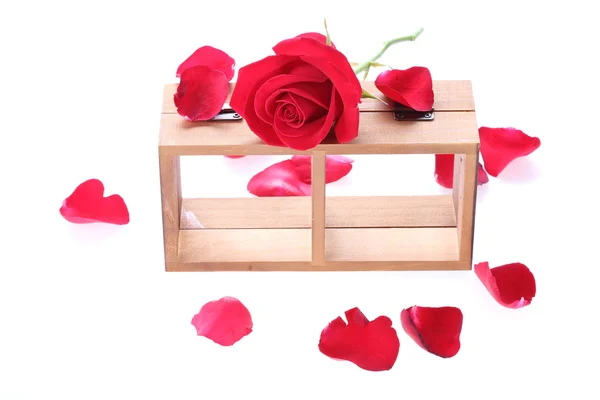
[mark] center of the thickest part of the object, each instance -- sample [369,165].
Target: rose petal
[224,321]
[412,87]
[311,134]
[250,78]
[435,329]
[87,204]
[336,167]
[444,171]
[511,285]
[307,46]
[482,176]
[201,93]
[346,127]
[500,146]
[316,36]
[280,179]
[337,68]
[213,58]
[235,156]
[372,346]
[272,89]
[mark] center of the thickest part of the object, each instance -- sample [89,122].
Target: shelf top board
[453,130]
[449,96]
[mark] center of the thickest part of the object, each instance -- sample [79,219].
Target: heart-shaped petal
[371,345]
[201,93]
[211,57]
[224,321]
[280,179]
[500,146]
[412,87]
[87,204]
[435,329]
[336,167]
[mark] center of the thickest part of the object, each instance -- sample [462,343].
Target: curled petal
[280,179]
[87,204]
[511,285]
[500,146]
[224,321]
[213,58]
[444,171]
[371,345]
[412,87]
[435,329]
[336,167]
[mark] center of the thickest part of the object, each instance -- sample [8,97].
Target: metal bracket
[227,114]
[403,113]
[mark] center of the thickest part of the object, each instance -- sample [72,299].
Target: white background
[87,312]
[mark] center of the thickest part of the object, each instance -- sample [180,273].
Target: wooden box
[310,233]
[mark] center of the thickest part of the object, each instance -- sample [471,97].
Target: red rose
[295,97]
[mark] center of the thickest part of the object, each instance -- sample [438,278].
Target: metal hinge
[403,113]
[227,114]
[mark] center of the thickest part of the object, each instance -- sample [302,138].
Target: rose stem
[386,45]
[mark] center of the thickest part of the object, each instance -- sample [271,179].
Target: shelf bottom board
[342,245]
[333,266]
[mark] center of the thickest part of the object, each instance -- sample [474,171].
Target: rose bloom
[295,97]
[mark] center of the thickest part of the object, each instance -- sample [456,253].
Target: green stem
[386,45]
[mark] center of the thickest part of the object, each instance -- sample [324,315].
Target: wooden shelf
[319,233]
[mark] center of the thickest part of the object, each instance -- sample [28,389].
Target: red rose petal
[372,346]
[482,176]
[336,167]
[435,329]
[330,57]
[280,179]
[201,93]
[224,321]
[250,78]
[337,68]
[444,171]
[412,87]
[87,204]
[511,285]
[213,58]
[500,146]
[317,36]
[310,134]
